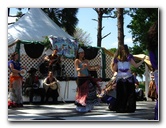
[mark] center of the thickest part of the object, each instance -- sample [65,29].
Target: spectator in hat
[31,86]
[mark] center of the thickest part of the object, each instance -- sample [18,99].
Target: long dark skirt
[126,97]
[86,92]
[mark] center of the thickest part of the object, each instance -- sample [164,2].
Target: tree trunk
[120,26]
[99,30]
[8,12]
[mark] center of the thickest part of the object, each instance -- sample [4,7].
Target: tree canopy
[142,19]
[64,18]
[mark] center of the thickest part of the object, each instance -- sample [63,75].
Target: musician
[52,87]
[15,82]
[31,86]
[139,92]
[54,63]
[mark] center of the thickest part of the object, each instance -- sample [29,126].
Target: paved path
[66,112]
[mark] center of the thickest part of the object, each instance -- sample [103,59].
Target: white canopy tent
[34,26]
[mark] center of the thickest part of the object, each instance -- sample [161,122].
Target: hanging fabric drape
[90,52]
[103,64]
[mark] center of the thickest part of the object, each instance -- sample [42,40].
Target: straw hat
[146,60]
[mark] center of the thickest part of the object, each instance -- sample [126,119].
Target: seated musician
[108,94]
[31,86]
[54,63]
[52,87]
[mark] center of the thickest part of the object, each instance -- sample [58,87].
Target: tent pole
[147,79]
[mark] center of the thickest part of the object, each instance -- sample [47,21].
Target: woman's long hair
[152,37]
[122,53]
[13,56]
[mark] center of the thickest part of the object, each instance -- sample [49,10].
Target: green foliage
[142,19]
[82,36]
[113,50]
[137,50]
[142,85]
[64,18]
[46,42]
[81,44]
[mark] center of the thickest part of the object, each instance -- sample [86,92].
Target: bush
[142,85]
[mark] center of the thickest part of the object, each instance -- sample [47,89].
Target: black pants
[53,94]
[126,97]
[139,95]
[40,92]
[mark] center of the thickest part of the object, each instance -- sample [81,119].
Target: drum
[24,72]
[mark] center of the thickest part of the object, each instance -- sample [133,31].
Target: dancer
[86,95]
[125,89]
[152,46]
[15,82]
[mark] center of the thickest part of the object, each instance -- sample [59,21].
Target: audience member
[32,86]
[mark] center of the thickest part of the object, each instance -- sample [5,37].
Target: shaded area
[67,112]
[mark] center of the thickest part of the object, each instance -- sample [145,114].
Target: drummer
[15,82]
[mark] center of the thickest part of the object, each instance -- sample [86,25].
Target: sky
[85,16]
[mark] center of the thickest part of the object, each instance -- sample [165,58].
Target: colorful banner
[66,47]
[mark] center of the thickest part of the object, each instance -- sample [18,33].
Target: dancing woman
[86,96]
[152,46]
[125,89]
[15,82]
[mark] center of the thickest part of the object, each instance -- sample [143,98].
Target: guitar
[53,62]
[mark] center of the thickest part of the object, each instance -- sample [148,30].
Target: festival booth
[34,58]
[32,35]
[29,36]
